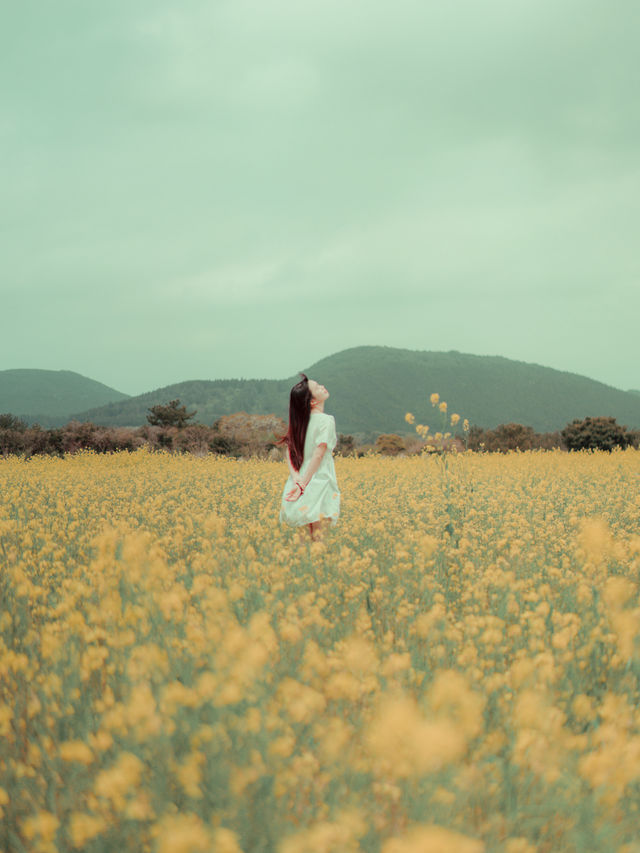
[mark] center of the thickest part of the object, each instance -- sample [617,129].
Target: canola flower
[455,668]
[440,441]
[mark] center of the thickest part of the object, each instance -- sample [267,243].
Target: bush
[165,439]
[601,433]
[249,435]
[512,436]
[390,444]
[346,445]
[172,414]
[195,438]
[225,445]
[78,436]
[11,422]
[45,441]
[11,442]
[117,438]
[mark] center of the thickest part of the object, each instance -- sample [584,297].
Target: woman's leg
[318,529]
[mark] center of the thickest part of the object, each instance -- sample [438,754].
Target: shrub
[165,439]
[249,435]
[172,414]
[390,444]
[601,433]
[45,441]
[194,438]
[512,436]
[78,436]
[11,441]
[225,445]
[111,440]
[346,445]
[11,422]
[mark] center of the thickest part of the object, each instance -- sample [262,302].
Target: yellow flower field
[453,670]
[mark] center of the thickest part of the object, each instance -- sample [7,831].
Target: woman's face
[318,392]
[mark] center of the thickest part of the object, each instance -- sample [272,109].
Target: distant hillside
[633,391]
[50,396]
[210,398]
[373,387]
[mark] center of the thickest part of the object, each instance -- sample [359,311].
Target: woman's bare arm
[314,464]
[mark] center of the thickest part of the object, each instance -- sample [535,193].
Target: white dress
[321,498]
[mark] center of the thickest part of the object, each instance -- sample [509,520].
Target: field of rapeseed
[454,669]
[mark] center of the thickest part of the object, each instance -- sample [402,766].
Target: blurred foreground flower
[433,839]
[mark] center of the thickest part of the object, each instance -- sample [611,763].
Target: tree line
[600,433]
[169,427]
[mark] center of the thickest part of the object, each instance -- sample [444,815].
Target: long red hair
[299,414]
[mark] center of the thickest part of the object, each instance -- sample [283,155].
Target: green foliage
[597,434]
[171,414]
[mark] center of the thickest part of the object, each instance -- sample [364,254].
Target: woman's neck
[319,407]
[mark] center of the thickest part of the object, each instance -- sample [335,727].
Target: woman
[311,494]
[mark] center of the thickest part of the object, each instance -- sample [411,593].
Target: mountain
[210,398]
[49,397]
[373,387]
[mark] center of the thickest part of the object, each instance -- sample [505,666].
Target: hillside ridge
[373,387]
[35,393]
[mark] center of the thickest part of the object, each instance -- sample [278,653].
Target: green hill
[210,398]
[51,396]
[373,387]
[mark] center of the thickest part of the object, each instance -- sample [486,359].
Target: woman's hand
[295,492]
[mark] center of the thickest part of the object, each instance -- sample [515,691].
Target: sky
[238,188]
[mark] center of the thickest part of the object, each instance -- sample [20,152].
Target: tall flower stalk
[441,444]
[440,441]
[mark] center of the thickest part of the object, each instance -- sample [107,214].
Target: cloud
[238,284]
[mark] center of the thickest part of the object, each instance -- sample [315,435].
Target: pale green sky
[227,188]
